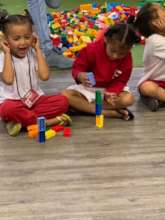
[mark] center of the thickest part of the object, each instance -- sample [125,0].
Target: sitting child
[109,58]
[21,65]
[150,22]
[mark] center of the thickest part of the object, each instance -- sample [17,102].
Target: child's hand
[35,42]
[83,78]
[5,46]
[111,98]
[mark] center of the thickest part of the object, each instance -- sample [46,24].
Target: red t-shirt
[93,58]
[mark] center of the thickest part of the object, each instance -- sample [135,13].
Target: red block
[67,132]
[58,128]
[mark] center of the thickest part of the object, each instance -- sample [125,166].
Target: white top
[21,66]
[154,59]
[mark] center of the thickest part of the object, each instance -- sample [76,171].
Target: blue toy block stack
[41,128]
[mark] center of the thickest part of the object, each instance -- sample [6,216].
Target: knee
[69,93]
[147,88]
[127,100]
[8,108]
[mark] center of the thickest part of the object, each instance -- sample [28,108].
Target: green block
[98,97]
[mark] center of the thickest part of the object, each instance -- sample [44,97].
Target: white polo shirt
[23,76]
[154,59]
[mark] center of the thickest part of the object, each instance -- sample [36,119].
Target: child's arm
[43,69]
[7,75]
[83,64]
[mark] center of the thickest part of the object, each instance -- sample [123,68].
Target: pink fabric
[48,106]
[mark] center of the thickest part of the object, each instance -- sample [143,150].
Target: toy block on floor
[50,134]
[99,121]
[41,128]
[67,132]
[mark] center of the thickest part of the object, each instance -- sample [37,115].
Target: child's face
[19,38]
[115,50]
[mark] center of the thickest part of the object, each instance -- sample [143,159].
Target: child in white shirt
[22,64]
[150,22]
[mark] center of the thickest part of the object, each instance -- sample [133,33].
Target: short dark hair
[6,20]
[143,21]
[124,33]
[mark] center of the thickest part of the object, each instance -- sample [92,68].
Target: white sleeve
[158,42]
[1,61]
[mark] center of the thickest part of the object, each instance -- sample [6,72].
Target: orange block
[86,7]
[32,127]
[33,133]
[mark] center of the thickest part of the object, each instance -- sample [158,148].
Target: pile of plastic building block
[72,30]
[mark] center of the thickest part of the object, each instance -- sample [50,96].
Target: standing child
[109,58]
[150,22]
[21,65]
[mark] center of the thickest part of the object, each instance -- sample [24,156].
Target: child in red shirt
[111,63]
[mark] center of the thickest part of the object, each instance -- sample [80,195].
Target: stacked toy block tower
[99,115]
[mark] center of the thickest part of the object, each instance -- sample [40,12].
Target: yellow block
[85,39]
[50,134]
[99,121]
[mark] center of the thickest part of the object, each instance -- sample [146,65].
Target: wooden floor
[114,173]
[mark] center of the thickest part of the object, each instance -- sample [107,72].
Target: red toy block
[67,132]
[58,128]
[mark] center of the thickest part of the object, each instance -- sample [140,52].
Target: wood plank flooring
[114,173]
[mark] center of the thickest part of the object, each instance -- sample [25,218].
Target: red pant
[48,106]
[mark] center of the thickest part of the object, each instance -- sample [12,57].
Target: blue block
[41,137]
[98,109]
[91,78]
[94,5]
[41,124]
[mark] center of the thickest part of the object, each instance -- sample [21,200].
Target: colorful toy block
[50,134]
[41,137]
[99,121]
[32,127]
[41,129]
[33,133]
[91,78]
[99,116]
[57,128]
[67,132]
[41,124]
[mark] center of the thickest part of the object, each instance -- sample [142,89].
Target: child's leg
[124,100]
[80,103]
[48,106]
[15,111]
[153,90]
[53,108]
[152,94]
[16,115]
